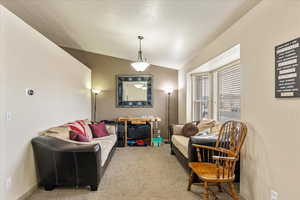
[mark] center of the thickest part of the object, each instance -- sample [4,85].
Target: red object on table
[140,142]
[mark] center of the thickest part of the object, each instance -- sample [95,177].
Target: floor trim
[28,193]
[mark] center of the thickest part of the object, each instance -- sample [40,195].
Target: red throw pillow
[99,130]
[78,137]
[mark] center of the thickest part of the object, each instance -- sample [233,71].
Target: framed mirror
[134,91]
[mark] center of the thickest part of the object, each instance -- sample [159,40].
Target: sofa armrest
[58,161]
[176,129]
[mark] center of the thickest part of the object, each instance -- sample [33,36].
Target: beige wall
[2,106]
[270,158]
[104,71]
[62,86]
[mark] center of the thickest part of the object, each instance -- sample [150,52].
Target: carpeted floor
[135,173]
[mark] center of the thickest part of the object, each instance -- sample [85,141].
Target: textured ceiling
[174,30]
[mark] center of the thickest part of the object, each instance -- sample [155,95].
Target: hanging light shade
[140,65]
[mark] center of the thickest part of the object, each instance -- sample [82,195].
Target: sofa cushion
[99,130]
[106,143]
[181,142]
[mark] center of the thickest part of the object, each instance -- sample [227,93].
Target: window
[216,94]
[200,97]
[229,89]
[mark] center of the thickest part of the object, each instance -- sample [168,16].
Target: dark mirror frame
[134,104]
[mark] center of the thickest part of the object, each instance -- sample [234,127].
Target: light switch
[8,116]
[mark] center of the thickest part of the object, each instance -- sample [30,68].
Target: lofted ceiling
[174,30]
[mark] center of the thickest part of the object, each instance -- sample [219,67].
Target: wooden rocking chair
[217,164]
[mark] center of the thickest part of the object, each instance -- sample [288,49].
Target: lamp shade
[95,91]
[140,66]
[169,90]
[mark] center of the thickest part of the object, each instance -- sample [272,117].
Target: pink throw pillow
[99,130]
[78,137]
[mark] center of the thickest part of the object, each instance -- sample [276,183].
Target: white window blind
[200,97]
[229,89]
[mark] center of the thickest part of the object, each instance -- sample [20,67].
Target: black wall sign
[287,82]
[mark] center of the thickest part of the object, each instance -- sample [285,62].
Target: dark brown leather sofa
[61,163]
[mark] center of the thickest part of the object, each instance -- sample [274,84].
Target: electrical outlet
[274,195]
[8,116]
[8,183]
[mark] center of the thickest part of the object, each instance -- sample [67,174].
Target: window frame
[194,100]
[213,84]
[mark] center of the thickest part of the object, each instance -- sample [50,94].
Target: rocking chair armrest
[214,149]
[224,158]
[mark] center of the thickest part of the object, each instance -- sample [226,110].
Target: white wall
[62,86]
[270,158]
[2,106]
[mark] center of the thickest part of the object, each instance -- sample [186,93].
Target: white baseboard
[28,193]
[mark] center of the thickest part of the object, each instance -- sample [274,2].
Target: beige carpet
[135,173]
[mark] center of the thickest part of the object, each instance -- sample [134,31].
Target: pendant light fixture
[140,65]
